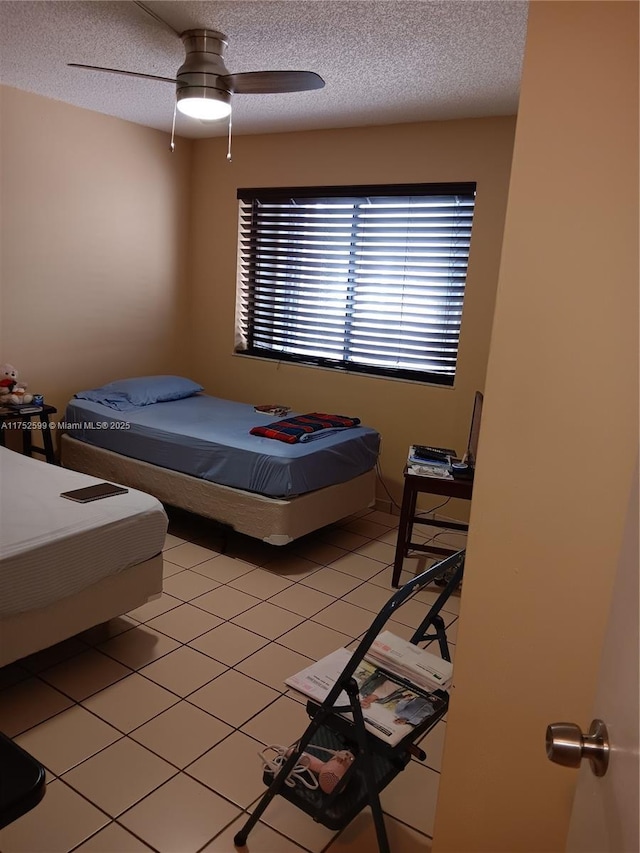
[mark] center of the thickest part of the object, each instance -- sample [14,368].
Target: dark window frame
[269,263]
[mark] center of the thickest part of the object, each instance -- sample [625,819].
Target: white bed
[66,566]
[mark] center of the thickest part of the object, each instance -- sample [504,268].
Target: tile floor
[150,725]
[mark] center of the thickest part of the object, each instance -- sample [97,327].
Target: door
[559,437]
[605,810]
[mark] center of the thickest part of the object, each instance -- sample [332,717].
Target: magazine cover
[391,706]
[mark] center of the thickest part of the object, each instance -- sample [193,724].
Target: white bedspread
[51,547]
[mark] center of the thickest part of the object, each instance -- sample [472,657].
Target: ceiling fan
[203,84]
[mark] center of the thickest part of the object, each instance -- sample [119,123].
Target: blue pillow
[126,394]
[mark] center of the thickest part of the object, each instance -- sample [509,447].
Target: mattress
[51,547]
[208,437]
[277,521]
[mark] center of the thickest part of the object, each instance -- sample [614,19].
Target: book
[26,410]
[275,409]
[436,455]
[392,706]
[414,457]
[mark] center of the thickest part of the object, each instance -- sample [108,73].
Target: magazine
[275,409]
[391,706]
[400,657]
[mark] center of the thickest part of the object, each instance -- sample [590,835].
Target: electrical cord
[308,766]
[300,772]
[446,531]
[397,505]
[384,485]
[433,509]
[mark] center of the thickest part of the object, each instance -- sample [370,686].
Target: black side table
[22,781]
[414,484]
[24,422]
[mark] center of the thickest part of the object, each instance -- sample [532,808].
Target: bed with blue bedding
[196,451]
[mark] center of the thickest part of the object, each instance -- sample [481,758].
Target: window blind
[368,279]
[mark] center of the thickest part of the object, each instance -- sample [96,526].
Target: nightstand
[414,484]
[27,423]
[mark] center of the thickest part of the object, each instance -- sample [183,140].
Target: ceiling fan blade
[155,17]
[271,82]
[119,71]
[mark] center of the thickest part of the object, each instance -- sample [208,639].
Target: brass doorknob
[567,745]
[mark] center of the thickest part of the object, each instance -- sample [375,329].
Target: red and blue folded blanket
[300,427]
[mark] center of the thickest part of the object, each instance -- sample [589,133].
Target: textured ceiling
[383,62]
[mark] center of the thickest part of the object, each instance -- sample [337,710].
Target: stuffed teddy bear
[8,381]
[12,391]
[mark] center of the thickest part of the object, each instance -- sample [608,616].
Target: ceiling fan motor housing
[204,66]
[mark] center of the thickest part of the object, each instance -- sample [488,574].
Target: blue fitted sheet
[208,437]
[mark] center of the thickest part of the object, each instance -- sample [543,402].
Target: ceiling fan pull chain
[173,128]
[229,143]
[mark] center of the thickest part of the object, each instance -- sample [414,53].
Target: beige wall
[562,410]
[474,150]
[119,259]
[93,247]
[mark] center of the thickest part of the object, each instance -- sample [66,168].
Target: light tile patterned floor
[150,725]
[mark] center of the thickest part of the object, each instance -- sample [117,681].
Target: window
[367,279]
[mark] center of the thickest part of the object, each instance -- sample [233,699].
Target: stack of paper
[428,469]
[391,706]
[409,661]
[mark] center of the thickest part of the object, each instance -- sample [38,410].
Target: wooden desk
[24,422]
[413,485]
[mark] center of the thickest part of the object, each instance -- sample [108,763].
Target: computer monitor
[474,432]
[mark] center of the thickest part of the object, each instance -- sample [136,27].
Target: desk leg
[26,438]
[47,440]
[407,512]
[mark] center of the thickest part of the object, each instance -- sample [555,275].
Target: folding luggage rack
[376,763]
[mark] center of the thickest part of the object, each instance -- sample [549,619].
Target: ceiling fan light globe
[205,108]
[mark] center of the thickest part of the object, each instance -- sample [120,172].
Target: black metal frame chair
[377,763]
